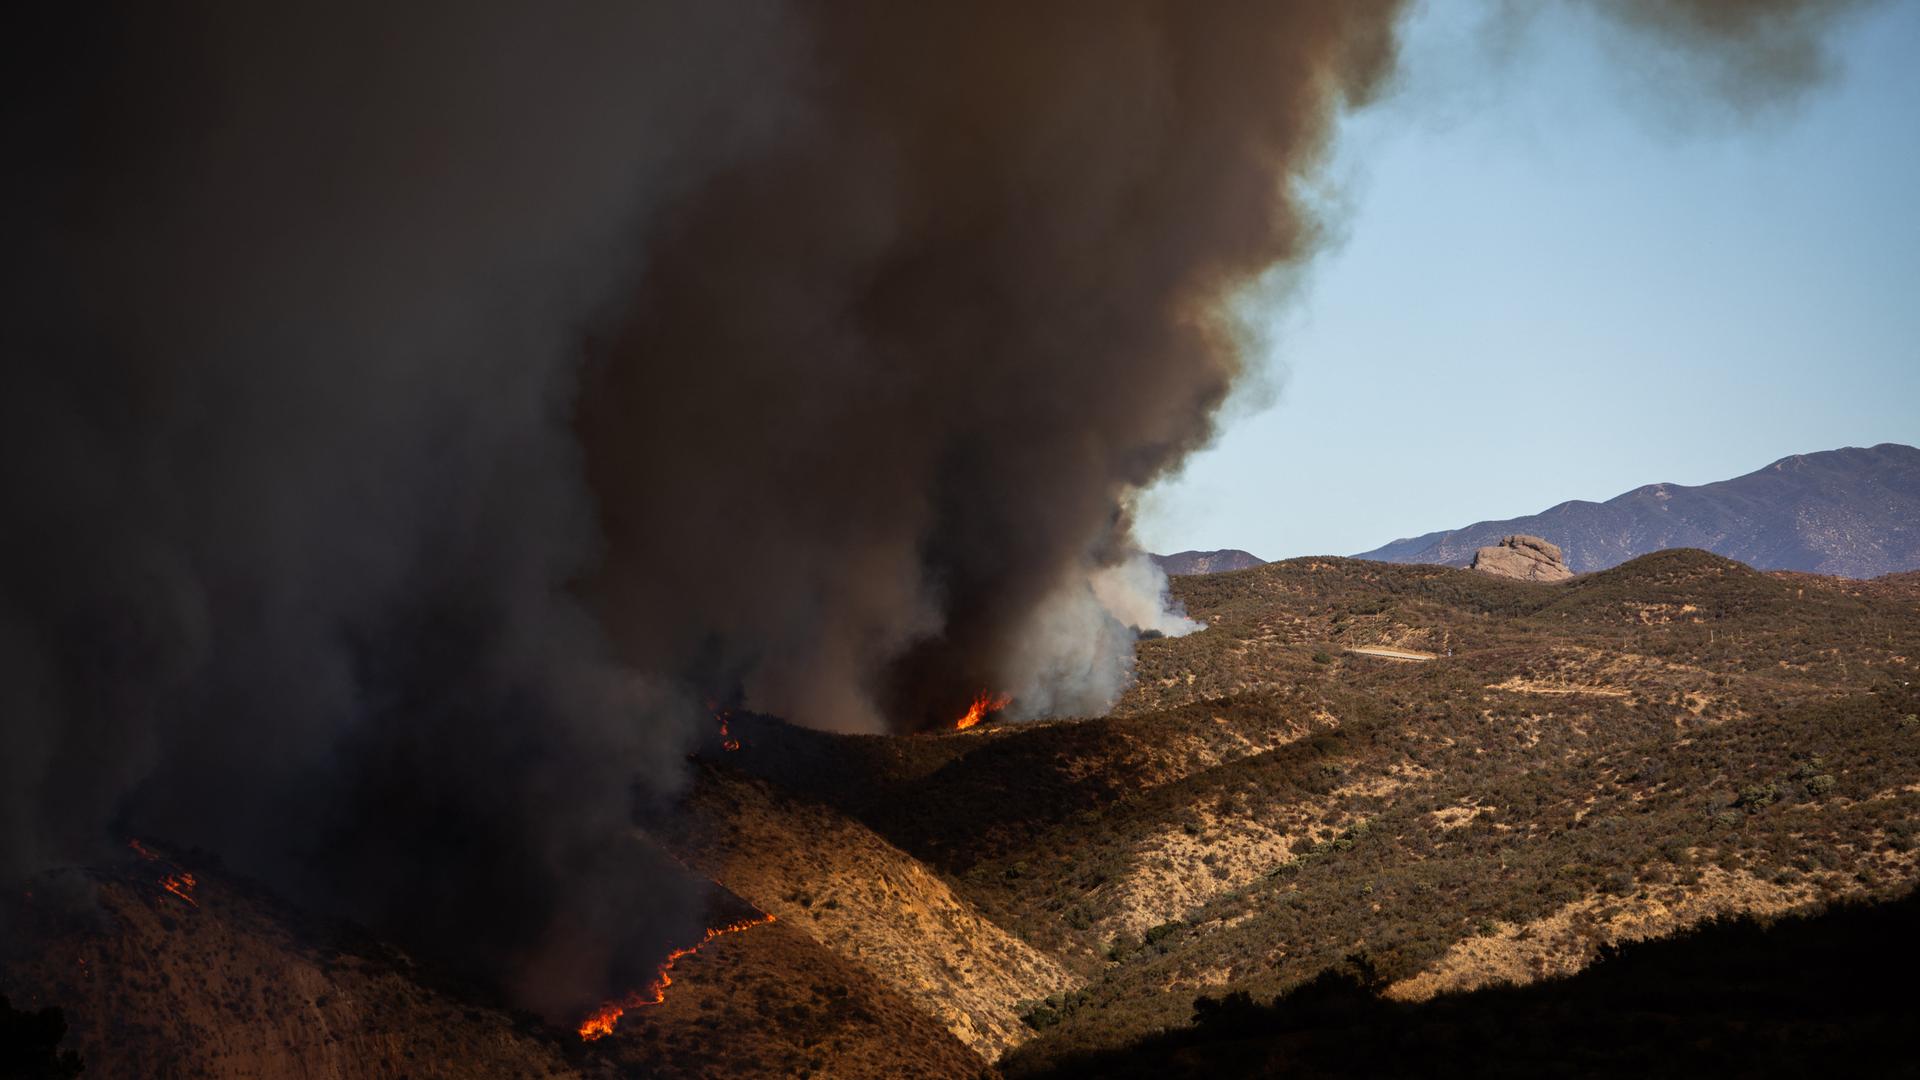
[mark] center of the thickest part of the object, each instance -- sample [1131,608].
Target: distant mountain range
[1207,562]
[1849,512]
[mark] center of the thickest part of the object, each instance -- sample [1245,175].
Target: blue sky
[1557,278]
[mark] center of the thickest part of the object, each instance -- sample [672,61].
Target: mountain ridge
[1851,512]
[1207,562]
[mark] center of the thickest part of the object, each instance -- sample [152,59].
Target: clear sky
[1554,281]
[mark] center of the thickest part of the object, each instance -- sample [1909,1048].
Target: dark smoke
[294,322]
[888,384]
[413,411]
[1748,54]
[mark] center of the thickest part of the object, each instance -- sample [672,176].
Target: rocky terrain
[1570,768]
[1207,562]
[1850,512]
[1524,558]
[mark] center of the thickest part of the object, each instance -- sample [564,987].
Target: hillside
[1601,761]
[1834,989]
[222,980]
[217,980]
[1207,562]
[1851,512]
[1448,780]
[1574,773]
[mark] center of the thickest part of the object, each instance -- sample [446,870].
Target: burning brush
[602,1023]
[983,705]
[180,882]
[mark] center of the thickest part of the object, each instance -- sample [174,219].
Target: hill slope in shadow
[1798,996]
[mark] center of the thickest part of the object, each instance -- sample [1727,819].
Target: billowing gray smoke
[887,383]
[295,317]
[413,411]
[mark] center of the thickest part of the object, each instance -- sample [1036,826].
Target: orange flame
[982,705]
[727,741]
[601,1023]
[181,885]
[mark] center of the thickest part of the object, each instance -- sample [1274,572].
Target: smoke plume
[1748,54]
[296,302]
[884,391]
[412,412]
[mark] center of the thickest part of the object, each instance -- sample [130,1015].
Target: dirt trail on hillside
[1386,653]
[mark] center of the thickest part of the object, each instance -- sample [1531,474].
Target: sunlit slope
[1606,759]
[1585,763]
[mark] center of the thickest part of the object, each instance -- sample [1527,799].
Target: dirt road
[1389,654]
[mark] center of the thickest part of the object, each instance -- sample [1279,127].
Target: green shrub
[1040,1015]
[1162,932]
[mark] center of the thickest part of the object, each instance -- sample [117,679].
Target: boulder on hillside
[1527,558]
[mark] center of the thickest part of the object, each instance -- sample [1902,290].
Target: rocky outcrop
[1527,558]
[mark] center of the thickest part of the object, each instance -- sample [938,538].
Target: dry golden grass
[832,879]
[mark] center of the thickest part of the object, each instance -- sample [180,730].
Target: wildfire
[602,1023]
[727,741]
[982,705]
[180,883]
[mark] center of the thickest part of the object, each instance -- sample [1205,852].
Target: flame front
[728,741]
[181,885]
[982,705]
[602,1023]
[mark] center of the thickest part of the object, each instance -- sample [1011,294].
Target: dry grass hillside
[225,981]
[1581,766]
[773,1003]
[831,878]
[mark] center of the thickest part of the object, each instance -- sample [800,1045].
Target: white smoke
[1075,658]
[1135,592]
